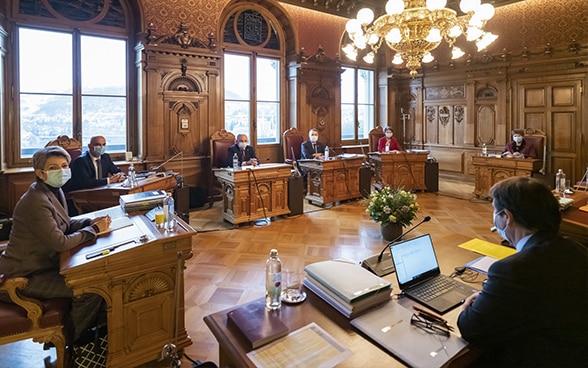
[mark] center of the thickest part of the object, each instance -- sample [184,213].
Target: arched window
[73,73]
[253,64]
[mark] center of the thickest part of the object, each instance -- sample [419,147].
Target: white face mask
[314,138]
[242,145]
[99,150]
[501,232]
[389,135]
[517,139]
[57,178]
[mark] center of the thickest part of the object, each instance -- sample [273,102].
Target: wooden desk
[491,170]
[332,180]
[403,170]
[137,281]
[574,222]
[94,199]
[255,193]
[233,347]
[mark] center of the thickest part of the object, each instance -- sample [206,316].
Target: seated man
[519,147]
[94,168]
[312,148]
[245,153]
[531,311]
[388,141]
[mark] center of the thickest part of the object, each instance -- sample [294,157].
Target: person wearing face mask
[531,311]
[312,148]
[41,230]
[519,147]
[245,153]
[389,141]
[94,168]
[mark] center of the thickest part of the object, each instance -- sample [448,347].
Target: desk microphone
[381,265]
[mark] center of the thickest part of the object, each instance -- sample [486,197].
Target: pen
[103,252]
[428,315]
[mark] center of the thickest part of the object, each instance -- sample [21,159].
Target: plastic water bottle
[484,150]
[560,181]
[326,152]
[387,147]
[235,162]
[168,212]
[273,281]
[132,176]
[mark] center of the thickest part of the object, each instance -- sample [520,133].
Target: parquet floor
[228,263]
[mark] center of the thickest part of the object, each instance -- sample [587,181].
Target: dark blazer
[532,311]
[249,154]
[394,145]
[41,229]
[526,148]
[307,150]
[83,172]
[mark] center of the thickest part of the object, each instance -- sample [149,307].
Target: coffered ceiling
[349,8]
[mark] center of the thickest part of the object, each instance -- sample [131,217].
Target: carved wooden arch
[487,92]
[270,9]
[147,285]
[183,83]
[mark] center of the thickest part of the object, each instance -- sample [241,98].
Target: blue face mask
[99,150]
[501,232]
[517,139]
[57,178]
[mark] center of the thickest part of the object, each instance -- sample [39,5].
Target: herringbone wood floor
[228,263]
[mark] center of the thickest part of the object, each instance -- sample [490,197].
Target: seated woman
[41,230]
[388,143]
[519,147]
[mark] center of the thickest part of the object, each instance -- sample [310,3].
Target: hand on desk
[252,161]
[102,222]
[318,156]
[469,300]
[116,178]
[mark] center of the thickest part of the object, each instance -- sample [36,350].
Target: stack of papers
[347,287]
[142,201]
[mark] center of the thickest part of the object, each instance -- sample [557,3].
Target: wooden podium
[402,170]
[141,279]
[254,193]
[490,170]
[332,180]
[94,199]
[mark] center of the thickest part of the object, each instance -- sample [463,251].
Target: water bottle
[273,281]
[484,150]
[387,147]
[560,181]
[168,212]
[235,162]
[132,176]
[326,152]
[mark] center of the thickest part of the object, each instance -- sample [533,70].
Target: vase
[391,231]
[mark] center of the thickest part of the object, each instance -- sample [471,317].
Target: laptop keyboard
[434,287]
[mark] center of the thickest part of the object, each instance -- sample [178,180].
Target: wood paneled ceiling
[349,8]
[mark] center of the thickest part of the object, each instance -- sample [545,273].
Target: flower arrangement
[392,206]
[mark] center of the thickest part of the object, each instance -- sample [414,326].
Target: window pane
[103,66]
[347,122]
[348,85]
[366,120]
[365,86]
[268,85]
[42,119]
[268,122]
[105,116]
[237,117]
[237,74]
[45,61]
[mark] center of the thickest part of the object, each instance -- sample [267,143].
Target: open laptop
[420,278]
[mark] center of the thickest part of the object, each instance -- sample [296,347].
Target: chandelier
[413,28]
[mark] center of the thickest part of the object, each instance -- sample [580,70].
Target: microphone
[166,162]
[380,265]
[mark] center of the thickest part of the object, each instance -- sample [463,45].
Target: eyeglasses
[427,324]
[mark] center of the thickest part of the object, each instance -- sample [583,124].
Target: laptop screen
[414,258]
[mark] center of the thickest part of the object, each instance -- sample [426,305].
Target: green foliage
[392,206]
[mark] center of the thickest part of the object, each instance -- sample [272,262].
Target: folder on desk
[142,201]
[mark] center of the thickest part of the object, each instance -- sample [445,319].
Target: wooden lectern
[402,170]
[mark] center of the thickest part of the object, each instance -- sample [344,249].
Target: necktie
[243,156]
[314,147]
[98,169]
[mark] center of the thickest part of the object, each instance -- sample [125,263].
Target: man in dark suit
[42,230]
[312,148]
[245,153]
[531,311]
[94,168]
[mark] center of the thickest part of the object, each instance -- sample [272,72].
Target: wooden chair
[539,140]
[71,145]
[374,135]
[29,318]
[219,151]
[292,143]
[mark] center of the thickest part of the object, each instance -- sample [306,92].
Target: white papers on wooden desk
[117,223]
[481,264]
[309,346]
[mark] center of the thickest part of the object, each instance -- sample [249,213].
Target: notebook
[417,270]
[390,327]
